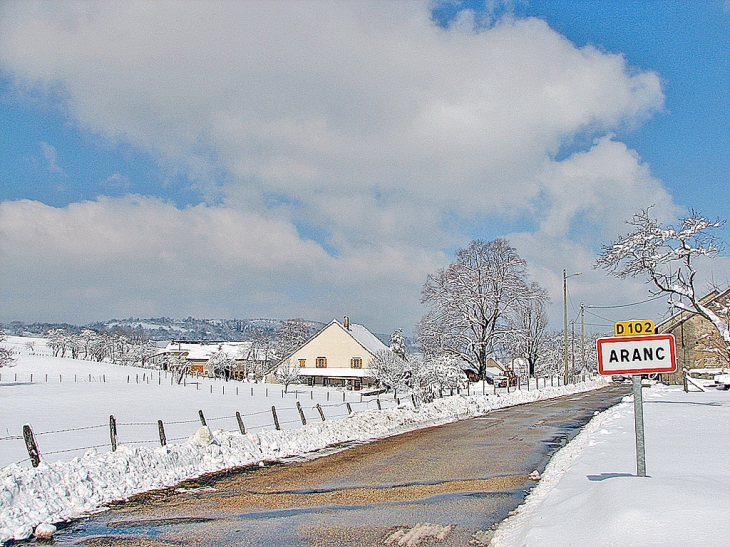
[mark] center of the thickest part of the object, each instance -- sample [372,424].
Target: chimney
[346,323]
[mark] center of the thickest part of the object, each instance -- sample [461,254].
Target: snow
[589,493]
[61,489]
[367,339]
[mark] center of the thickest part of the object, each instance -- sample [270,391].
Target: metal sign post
[639,427]
[637,355]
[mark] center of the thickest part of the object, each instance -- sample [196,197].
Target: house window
[321,362]
[356,362]
[302,362]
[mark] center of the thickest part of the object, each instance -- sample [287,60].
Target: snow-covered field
[590,495]
[53,394]
[74,485]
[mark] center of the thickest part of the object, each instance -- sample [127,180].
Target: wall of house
[338,347]
[334,344]
[690,336]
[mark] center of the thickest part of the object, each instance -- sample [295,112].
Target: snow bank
[589,493]
[63,490]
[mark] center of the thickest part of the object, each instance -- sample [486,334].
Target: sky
[320,159]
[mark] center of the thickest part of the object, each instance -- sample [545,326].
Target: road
[460,478]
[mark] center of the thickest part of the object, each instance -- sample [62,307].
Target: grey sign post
[639,427]
[637,355]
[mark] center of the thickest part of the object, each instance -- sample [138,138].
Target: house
[699,345]
[338,355]
[198,353]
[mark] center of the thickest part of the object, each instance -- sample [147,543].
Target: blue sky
[327,167]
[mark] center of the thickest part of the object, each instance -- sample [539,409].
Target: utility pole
[565,320]
[572,351]
[582,338]
[565,324]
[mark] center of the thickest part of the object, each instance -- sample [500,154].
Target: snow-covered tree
[293,334]
[436,375]
[6,357]
[221,364]
[287,373]
[470,301]
[30,345]
[57,340]
[261,354]
[398,344]
[3,336]
[390,370]
[552,354]
[664,255]
[527,335]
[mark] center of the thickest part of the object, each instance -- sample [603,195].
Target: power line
[627,305]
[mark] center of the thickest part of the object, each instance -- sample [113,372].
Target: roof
[677,319]
[359,333]
[366,338]
[197,351]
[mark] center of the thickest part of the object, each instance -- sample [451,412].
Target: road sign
[634,327]
[637,354]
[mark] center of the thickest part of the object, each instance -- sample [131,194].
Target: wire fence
[330,405]
[155,433]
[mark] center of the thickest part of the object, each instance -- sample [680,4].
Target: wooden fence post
[378,401]
[161,429]
[301,413]
[30,444]
[321,412]
[202,418]
[276,418]
[349,408]
[241,427]
[113,432]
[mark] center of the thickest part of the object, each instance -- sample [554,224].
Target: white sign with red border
[637,354]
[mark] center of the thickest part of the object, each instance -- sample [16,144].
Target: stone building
[699,344]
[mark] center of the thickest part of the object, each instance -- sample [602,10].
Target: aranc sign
[637,354]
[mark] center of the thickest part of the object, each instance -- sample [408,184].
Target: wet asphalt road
[463,477]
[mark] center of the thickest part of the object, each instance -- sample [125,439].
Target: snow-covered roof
[366,338]
[198,351]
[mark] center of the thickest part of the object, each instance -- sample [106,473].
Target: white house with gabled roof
[338,355]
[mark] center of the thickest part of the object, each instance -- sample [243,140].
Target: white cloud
[362,120]
[138,256]
[50,155]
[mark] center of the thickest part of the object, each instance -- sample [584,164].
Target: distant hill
[166,328]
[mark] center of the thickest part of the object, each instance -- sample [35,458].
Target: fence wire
[252,427]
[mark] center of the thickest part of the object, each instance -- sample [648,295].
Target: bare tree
[664,255]
[6,357]
[30,344]
[261,352]
[287,373]
[293,334]
[528,336]
[57,340]
[470,300]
